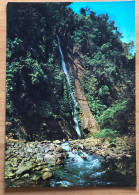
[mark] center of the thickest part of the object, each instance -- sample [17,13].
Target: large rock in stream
[24,167]
[50,159]
[47,175]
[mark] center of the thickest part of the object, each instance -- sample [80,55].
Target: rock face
[57,129]
[88,122]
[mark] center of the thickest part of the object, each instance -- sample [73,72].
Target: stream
[73,171]
[79,172]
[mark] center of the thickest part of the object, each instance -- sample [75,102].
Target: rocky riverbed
[35,159]
[119,158]
[121,147]
[36,163]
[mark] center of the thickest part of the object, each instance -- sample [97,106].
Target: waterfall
[72,95]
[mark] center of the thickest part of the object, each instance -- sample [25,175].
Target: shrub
[107,133]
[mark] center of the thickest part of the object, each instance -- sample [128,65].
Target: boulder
[32,145]
[9,174]
[58,162]
[87,146]
[42,149]
[29,150]
[23,167]
[80,146]
[8,167]
[51,147]
[60,155]
[93,149]
[57,142]
[38,168]
[46,170]
[59,149]
[8,163]
[36,177]
[55,155]
[26,175]
[14,168]
[22,154]
[47,175]
[40,157]
[50,159]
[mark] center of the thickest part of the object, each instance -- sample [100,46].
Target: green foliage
[109,76]
[36,86]
[106,134]
[119,116]
[79,113]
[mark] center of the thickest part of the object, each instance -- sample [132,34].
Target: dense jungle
[70,80]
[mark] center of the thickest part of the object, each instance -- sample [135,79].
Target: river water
[76,172]
[79,172]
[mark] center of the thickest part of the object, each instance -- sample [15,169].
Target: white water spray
[73,98]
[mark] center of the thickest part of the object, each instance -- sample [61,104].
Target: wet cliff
[89,124]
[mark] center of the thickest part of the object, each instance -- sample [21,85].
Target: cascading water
[73,98]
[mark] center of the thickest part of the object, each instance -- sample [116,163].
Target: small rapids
[73,171]
[79,172]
